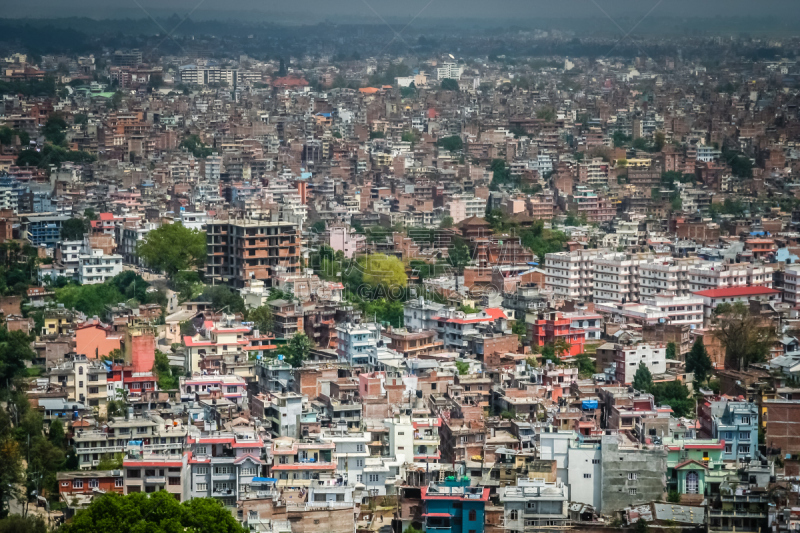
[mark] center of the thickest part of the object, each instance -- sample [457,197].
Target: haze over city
[370,266]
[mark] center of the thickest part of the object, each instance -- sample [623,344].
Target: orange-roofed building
[368,90]
[94,339]
[553,327]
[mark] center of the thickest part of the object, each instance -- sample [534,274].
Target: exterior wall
[95,342]
[619,463]
[783,425]
[585,460]
[143,352]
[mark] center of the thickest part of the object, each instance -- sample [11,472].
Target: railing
[313,506]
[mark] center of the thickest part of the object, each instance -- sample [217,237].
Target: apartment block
[247,249]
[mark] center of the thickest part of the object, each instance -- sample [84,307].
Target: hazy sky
[373,10]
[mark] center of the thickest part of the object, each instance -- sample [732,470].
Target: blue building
[736,423]
[43,230]
[454,507]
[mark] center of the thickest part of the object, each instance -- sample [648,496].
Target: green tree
[54,128]
[15,350]
[675,394]
[56,433]
[318,226]
[115,408]
[11,472]
[167,380]
[674,496]
[23,524]
[452,143]
[194,145]
[447,222]
[449,84]
[462,367]
[158,512]
[697,361]
[643,379]
[221,296]
[172,248]
[641,526]
[384,270]
[262,318]
[458,255]
[89,299]
[672,350]
[745,339]
[586,367]
[548,114]
[298,349]
[110,461]
[74,229]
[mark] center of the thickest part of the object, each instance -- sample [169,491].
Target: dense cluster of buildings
[560,229]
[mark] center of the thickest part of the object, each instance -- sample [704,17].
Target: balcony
[160,480]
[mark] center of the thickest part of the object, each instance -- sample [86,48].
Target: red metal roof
[736,291]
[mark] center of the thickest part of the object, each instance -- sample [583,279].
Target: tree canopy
[643,379]
[158,512]
[745,339]
[697,361]
[298,349]
[172,248]
[384,270]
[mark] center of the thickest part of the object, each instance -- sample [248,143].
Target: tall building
[246,249]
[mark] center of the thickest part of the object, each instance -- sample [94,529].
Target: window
[232,390]
[595,461]
[77,483]
[134,473]
[744,435]
[587,476]
[118,482]
[632,492]
[745,420]
[373,478]
[632,476]
[359,463]
[248,471]
[200,450]
[692,483]
[359,447]
[359,477]
[472,515]
[222,470]
[202,470]
[513,515]
[744,449]
[202,487]
[94,483]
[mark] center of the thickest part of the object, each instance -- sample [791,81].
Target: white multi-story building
[97,267]
[192,75]
[679,310]
[790,282]
[212,166]
[464,206]
[534,505]
[628,359]
[723,275]
[449,70]
[663,275]
[616,279]
[569,275]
